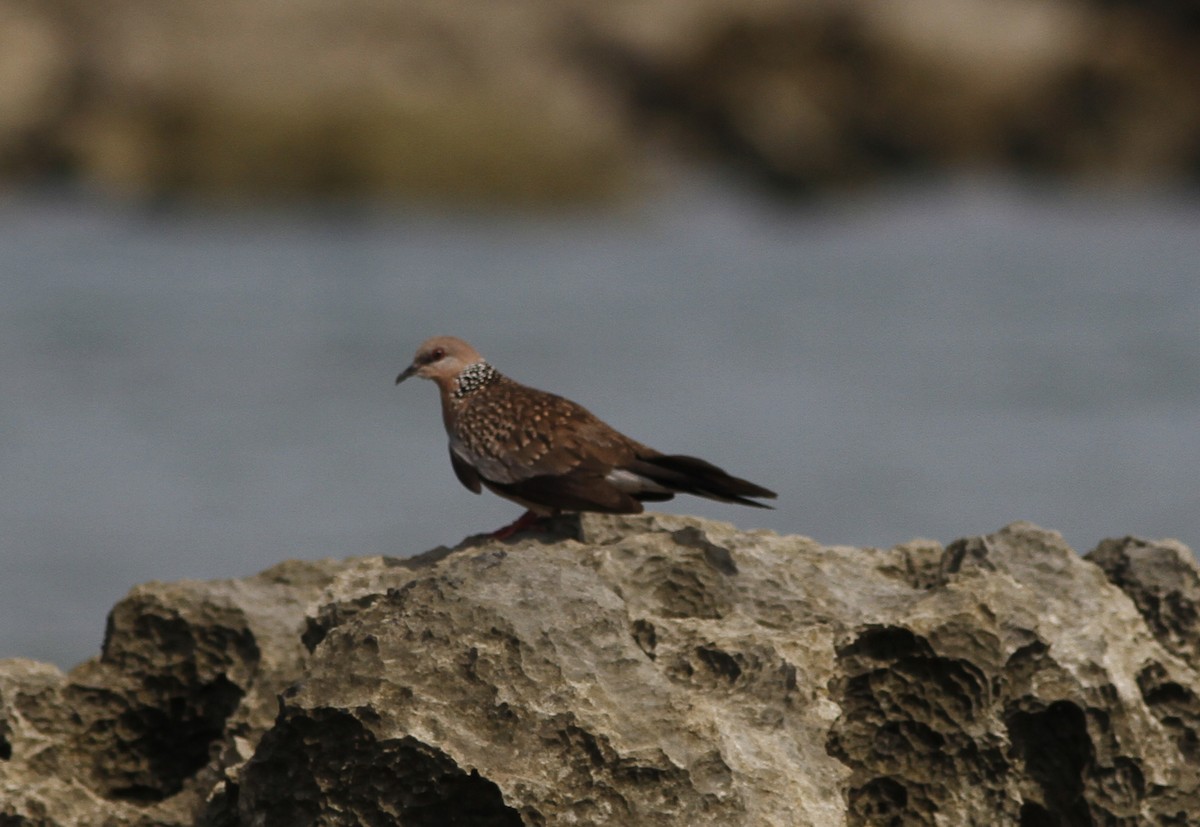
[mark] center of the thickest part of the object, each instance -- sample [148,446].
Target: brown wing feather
[511,433]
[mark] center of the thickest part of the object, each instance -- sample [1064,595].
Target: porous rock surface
[646,670]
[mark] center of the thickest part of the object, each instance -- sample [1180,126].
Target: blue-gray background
[192,394]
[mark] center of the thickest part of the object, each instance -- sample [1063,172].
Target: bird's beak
[409,371]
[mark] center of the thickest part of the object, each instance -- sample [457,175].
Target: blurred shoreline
[534,103]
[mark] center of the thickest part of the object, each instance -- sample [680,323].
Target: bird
[551,455]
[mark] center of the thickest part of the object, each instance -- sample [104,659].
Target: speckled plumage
[549,453]
[473,378]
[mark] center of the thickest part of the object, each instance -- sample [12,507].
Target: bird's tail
[690,475]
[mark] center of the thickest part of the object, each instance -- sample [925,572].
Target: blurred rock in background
[531,102]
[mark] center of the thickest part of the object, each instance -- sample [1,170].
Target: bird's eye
[438,353]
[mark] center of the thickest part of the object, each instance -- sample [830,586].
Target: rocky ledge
[646,670]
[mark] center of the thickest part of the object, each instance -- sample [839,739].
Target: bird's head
[441,359]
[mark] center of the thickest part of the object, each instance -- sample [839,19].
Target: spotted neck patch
[473,377]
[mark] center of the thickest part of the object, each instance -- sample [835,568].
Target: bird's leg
[523,522]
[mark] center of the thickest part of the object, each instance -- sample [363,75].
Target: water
[196,394]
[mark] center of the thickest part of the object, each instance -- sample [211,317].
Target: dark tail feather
[695,476]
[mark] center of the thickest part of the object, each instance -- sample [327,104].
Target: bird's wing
[466,474]
[523,434]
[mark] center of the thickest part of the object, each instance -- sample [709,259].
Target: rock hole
[1056,749]
[880,801]
[1034,815]
[326,767]
[1168,693]
[173,739]
[885,643]
[646,637]
[720,663]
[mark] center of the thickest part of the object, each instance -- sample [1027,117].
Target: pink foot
[526,520]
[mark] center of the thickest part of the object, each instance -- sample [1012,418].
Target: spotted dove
[549,454]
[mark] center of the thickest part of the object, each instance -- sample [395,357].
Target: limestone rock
[188,670]
[633,670]
[1162,580]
